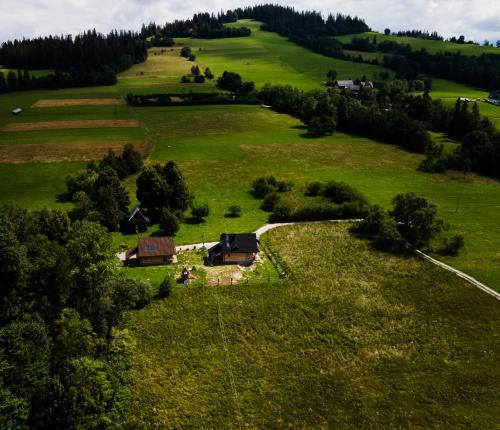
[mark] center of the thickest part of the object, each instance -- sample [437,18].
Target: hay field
[48,103]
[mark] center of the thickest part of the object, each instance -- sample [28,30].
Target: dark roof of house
[156,246]
[137,216]
[232,242]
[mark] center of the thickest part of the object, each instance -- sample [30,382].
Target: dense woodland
[86,60]
[63,349]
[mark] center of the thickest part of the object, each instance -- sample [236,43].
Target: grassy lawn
[266,57]
[432,46]
[356,339]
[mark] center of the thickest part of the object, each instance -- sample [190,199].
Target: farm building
[352,87]
[152,251]
[137,221]
[235,249]
[16,111]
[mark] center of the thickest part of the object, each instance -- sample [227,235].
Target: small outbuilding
[16,111]
[137,221]
[234,248]
[152,251]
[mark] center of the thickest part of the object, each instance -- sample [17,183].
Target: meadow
[222,149]
[356,339]
[432,46]
[266,57]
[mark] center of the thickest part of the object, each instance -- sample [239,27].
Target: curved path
[260,231]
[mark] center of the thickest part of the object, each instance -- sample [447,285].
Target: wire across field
[67,125]
[44,103]
[58,152]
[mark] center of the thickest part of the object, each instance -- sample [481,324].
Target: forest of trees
[64,350]
[88,59]
[202,25]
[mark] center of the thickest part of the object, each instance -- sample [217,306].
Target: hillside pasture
[222,149]
[355,339]
[432,46]
[161,73]
[266,57]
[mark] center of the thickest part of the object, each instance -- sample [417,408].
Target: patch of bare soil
[64,152]
[77,102]
[66,125]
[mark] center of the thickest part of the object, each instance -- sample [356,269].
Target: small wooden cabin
[235,249]
[152,251]
[137,221]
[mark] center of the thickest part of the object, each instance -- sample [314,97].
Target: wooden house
[152,251]
[235,249]
[137,221]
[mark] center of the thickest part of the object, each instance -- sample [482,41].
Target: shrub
[339,193]
[195,70]
[186,79]
[235,211]
[270,201]
[200,211]
[283,186]
[314,189]
[169,223]
[208,74]
[388,237]
[263,186]
[165,287]
[452,246]
[372,221]
[185,52]
[192,57]
[199,79]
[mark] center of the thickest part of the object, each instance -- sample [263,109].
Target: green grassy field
[432,46]
[266,57]
[222,149]
[357,339]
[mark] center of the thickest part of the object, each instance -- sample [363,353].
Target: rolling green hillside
[432,46]
[266,57]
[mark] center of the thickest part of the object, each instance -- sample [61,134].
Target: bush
[185,52]
[263,186]
[133,294]
[165,287]
[200,211]
[339,193]
[372,221]
[235,211]
[388,237]
[192,57]
[186,79]
[314,189]
[270,201]
[195,70]
[452,246]
[283,186]
[208,74]
[169,223]
[199,79]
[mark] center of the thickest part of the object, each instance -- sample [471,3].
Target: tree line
[202,25]
[88,59]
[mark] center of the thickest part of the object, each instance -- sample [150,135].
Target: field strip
[63,152]
[43,103]
[471,280]
[67,125]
